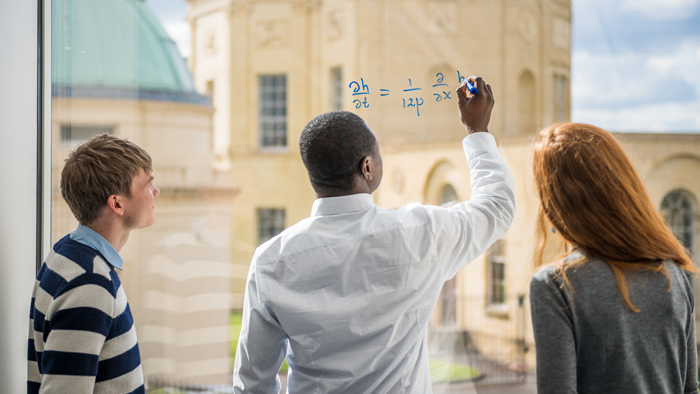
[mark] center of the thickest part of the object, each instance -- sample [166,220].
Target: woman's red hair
[592,195]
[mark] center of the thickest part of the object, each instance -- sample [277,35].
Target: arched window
[679,208]
[448,296]
[448,194]
[527,123]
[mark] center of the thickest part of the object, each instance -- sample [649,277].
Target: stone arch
[442,174]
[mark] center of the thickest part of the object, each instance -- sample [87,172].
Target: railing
[489,339]
[481,345]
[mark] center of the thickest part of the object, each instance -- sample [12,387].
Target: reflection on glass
[222,129]
[115,70]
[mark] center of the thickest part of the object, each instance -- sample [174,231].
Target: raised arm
[466,230]
[262,345]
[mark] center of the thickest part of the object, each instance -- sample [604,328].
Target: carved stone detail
[210,46]
[442,17]
[561,33]
[335,24]
[271,33]
[527,26]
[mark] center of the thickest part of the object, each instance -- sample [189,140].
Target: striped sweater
[82,337]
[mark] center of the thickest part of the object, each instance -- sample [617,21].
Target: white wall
[18,142]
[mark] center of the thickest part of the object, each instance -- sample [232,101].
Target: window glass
[270,223]
[73,134]
[218,93]
[273,110]
[497,273]
[337,88]
[679,208]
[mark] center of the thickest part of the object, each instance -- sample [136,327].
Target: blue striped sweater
[82,337]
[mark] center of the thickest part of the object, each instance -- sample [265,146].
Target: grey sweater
[594,343]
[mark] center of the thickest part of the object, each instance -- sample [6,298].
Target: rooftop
[116,49]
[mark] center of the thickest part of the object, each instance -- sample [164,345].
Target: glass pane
[218,94]
[116,70]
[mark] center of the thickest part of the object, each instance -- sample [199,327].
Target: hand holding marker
[470,87]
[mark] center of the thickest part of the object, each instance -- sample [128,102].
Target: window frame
[693,212]
[266,119]
[336,90]
[497,308]
[26,120]
[260,212]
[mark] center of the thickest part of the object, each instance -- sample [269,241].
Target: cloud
[171,14]
[637,91]
[665,117]
[662,9]
[651,26]
[179,31]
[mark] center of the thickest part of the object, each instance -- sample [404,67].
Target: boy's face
[139,209]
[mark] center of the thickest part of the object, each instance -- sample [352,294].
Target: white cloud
[179,31]
[668,117]
[638,92]
[661,9]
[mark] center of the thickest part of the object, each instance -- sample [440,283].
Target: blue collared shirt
[87,236]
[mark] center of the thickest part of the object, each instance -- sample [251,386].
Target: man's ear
[114,204]
[367,168]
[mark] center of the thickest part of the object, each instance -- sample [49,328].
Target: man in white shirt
[347,293]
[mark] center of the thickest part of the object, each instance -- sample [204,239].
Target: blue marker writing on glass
[470,87]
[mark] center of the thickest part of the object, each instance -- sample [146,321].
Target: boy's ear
[115,204]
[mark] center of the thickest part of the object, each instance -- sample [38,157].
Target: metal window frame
[25,158]
[44,137]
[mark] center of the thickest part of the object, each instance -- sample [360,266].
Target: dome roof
[116,49]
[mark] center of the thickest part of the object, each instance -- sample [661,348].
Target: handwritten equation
[411,97]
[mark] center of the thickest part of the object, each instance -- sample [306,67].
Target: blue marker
[470,87]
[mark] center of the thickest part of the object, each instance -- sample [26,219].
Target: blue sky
[635,63]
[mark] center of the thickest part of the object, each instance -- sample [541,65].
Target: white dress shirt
[347,293]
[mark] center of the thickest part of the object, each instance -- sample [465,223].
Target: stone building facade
[271,66]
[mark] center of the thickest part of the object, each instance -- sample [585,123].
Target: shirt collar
[89,237]
[342,204]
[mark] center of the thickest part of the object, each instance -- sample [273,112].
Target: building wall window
[273,110]
[270,223]
[679,208]
[209,90]
[526,103]
[496,286]
[75,134]
[561,93]
[337,89]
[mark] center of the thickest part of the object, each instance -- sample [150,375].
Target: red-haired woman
[616,313]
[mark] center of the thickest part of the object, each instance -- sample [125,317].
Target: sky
[635,63]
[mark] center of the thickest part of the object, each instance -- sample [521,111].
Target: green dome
[115,49]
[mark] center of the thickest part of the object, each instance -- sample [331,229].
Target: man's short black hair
[332,147]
